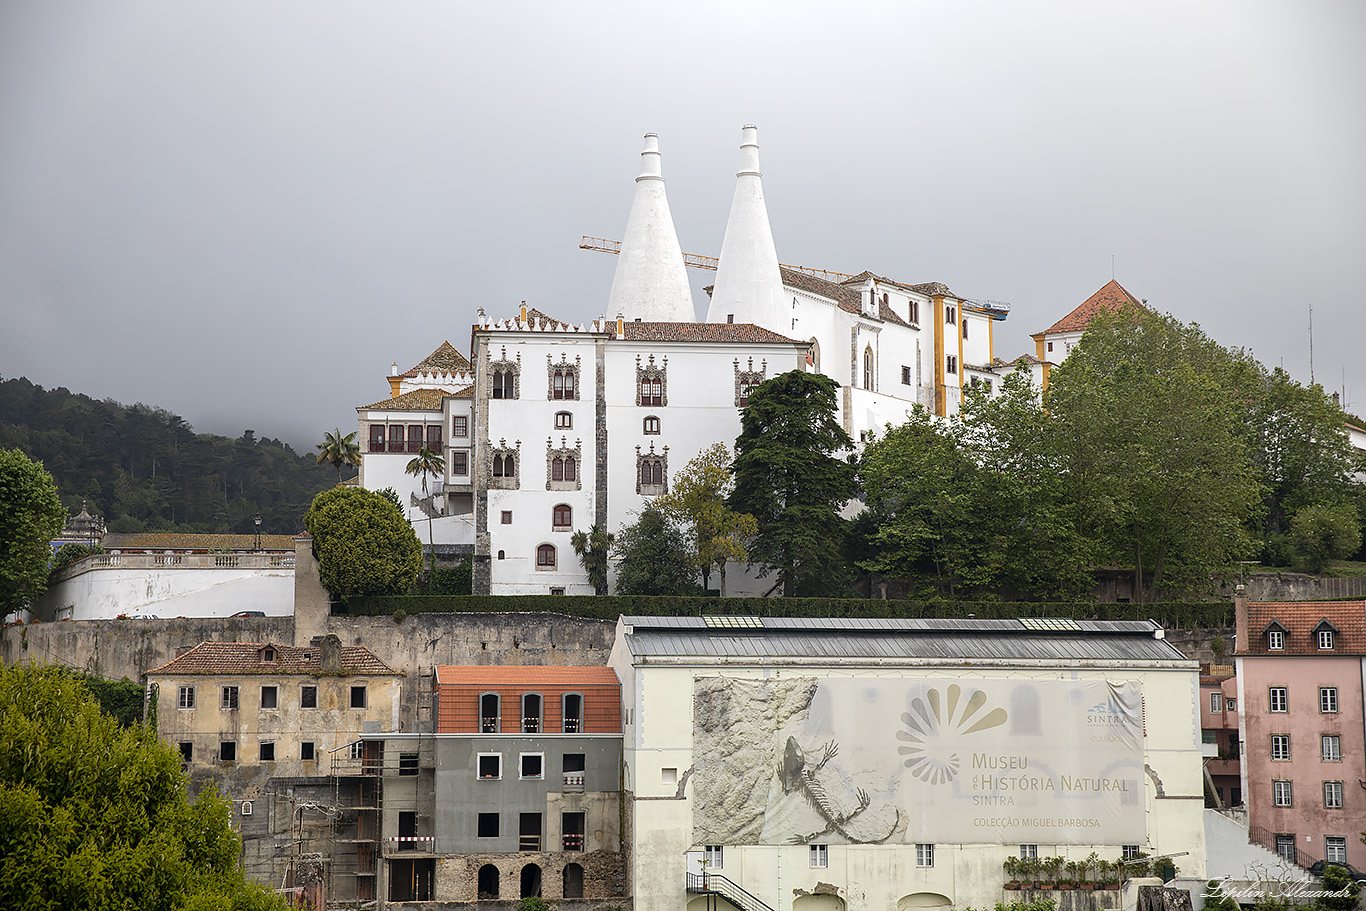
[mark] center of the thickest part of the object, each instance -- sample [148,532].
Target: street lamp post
[257,520]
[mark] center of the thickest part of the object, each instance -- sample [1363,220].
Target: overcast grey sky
[244,211]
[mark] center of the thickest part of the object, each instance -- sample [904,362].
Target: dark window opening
[268,752]
[491,765]
[529,833]
[572,831]
[357,697]
[407,830]
[572,762]
[407,763]
[573,881]
[531,881]
[270,697]
[573,713]
[308,697]
[531,713]
[488,825]
[186,750]
[229,698]
[227,751]
[532,763]
[411,880]
[307,751]
[488,882]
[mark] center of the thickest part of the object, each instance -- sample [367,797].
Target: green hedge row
[1172,614]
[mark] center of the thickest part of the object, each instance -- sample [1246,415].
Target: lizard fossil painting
[798,773]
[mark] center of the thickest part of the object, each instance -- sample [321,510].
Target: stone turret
[651,283]
[749,287]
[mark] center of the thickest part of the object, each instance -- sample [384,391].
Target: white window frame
[1325,638]
[521,769]
[1330,747]
[714,857]
[1282,794]
[185,698]
[1278,699]
[1028,852]
[819,856]
[924,854]
[1275,640]
[1335,849]
[230,699]
[1280,747]
[1332,795]
[1129,852]
[479,763]
[1328,700]
[1216,703]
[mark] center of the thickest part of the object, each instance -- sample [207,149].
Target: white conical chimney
[749,287]
[651,283]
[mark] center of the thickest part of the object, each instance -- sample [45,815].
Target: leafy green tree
[364,544]
[31,515]
[1336,879]
[654,557]
[593,547]
[789,477]
[1323,532]
[1152,451]
[427,463]
[69,553]
[697,501]
[95,815]
[338,450]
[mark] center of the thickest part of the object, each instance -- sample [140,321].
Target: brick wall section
[458,700]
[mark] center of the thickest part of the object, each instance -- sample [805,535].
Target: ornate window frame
[747,379]
[651,371]
[503,450]
[504,365]
[575,369]
[651,457]
[563,451]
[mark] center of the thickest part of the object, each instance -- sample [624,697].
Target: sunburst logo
[934,725]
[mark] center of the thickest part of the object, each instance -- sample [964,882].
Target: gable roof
[209,658]
[171,541]
[1300,620]
[1110,298]
[445,359]
[704,332]
[523,675]
[416,400]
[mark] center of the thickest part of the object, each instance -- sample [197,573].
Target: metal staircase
[713,884]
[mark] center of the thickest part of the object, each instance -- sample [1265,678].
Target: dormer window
[1275,639]
[268,655]
[1325,638]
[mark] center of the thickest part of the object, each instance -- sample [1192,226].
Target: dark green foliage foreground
[145,469]
[95,816]
[363,543]
[30,517]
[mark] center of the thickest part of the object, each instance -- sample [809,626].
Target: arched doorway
[573,881]
[488,881]
[822,902]
[531,881]
[921,901]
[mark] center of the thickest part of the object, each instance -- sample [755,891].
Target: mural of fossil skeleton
[798,774]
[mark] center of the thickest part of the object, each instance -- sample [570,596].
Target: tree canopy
[593,547]
[31,515]
[654,557]
[364,544]
[95,815]
[696,501]
[338,449]
[790,477]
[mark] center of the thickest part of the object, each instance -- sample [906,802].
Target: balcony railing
[573,725]
[410,842]
[573,782]
[529,843]
[572,842]
[239,560]
[531,725]
[488,724]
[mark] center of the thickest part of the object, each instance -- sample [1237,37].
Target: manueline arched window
[868,368]
[545,557]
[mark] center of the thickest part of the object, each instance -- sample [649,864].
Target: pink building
[1219,734]
[1300,671]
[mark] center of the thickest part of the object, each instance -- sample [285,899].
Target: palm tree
[338,450]
[428,462]
[592,546]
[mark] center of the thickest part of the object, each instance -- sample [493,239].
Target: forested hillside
[145,469]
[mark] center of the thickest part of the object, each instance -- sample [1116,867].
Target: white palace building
[548,428]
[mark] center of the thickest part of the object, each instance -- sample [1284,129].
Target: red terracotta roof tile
[1299,619]
[747,333]
[210,658]
[496,675]
[415,400]
[1111,297]
[445,359]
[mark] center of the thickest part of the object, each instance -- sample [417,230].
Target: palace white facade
[549,428]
